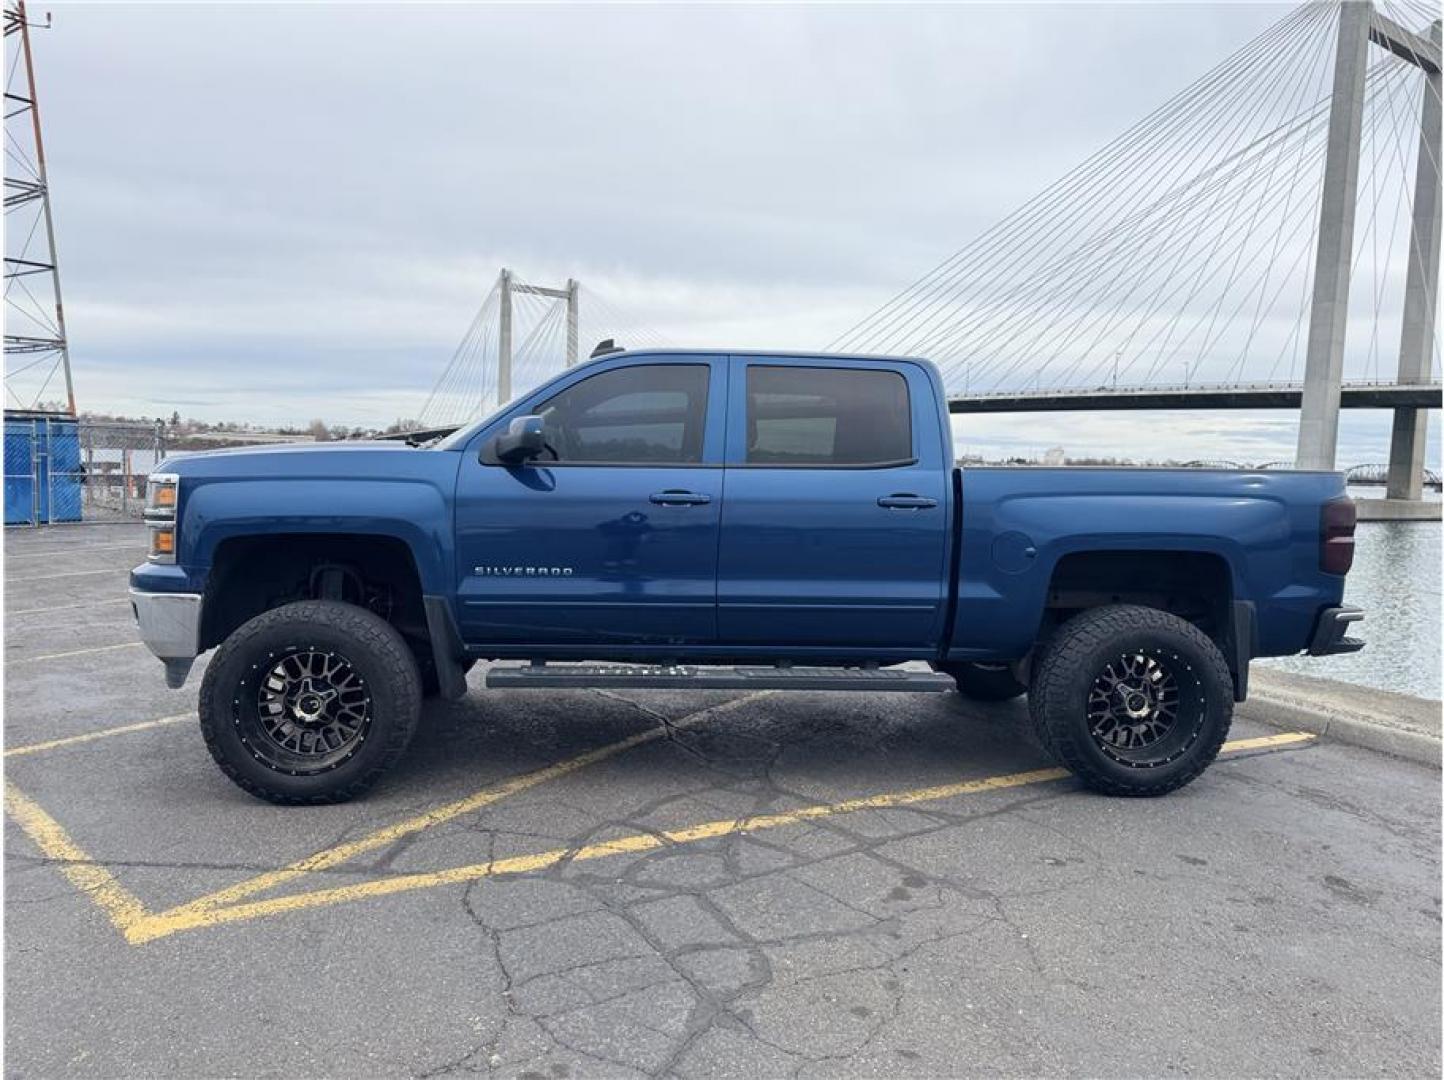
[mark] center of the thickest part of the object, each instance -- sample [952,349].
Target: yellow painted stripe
[95,881]
[323,860]
[190,917]
[1264,742]
[67,607]
[91,736]
[74,652]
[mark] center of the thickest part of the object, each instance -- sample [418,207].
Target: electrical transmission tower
[35,344]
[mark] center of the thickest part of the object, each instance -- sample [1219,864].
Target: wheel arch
[216,513]
[252,574]
[1195,584]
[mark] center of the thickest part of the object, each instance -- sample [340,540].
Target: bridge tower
[1421,292]
[508,287]
[1360,25]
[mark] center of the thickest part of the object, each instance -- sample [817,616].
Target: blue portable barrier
[43,475]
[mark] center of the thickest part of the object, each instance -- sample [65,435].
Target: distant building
[1053,456]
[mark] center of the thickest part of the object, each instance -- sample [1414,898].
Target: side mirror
[524,439]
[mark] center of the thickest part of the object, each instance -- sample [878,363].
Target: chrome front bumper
[170,626]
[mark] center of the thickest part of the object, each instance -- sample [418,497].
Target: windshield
[458,437]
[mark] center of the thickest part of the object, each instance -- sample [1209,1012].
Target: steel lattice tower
[35,343]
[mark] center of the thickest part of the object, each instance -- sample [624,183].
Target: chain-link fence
[115,459]
[62,469]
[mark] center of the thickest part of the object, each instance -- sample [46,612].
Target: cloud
[271,213]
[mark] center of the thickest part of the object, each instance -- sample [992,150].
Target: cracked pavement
[1280,916]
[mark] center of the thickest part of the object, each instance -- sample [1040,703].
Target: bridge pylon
[1360,25]
[1421,292]
[508,287]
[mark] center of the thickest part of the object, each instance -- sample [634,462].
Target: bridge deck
[1263,396]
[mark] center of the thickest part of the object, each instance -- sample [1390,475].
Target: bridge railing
[1201,387]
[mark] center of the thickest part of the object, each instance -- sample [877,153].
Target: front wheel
[310,702]
[1133,700]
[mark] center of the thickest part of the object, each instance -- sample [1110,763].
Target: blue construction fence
[60,468]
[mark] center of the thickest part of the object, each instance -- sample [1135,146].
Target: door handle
[680,498]
[907,502]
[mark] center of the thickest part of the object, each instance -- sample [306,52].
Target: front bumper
[170,626]
[1329,633]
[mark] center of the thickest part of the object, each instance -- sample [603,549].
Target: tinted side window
[644,415]
[827,416]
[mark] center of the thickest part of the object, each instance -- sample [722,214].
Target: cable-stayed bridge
[1267,238]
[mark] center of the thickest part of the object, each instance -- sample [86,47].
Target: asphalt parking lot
[582,884]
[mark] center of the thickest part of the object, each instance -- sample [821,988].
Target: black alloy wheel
[1131,699]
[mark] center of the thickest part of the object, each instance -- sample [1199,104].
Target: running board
[686,677]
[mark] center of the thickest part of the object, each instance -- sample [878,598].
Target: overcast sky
[274,213]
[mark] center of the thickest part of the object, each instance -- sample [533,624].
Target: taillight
[1336,536]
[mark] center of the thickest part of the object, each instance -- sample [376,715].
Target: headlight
[161,497]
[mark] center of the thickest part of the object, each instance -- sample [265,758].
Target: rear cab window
[804,416]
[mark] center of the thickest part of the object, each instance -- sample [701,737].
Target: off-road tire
[984,682]
[373,648]
[1066,671]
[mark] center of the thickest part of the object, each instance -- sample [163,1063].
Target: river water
[1396,579]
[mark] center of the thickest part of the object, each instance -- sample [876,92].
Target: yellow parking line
[191,917]
[138,926]
[74,652]
[66,607]
[323,860]
[95,881]
[91,736]
[1264,742]
[175,921]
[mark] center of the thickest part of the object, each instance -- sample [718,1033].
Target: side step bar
[541,676]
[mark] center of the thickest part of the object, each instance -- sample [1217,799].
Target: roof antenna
[606,347]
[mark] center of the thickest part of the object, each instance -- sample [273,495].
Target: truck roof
[780,353]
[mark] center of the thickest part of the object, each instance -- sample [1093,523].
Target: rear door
[611,538]
[834,528]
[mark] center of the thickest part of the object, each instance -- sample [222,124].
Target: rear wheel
[1133,700]
[310,702]
[985,682]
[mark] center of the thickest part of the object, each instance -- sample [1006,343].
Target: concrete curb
[1395,724]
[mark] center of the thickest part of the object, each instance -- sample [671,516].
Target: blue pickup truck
[725,520]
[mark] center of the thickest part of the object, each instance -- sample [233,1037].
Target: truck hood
[340,460]
[270,451]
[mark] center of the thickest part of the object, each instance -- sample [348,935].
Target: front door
[611,537]
[834,531]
